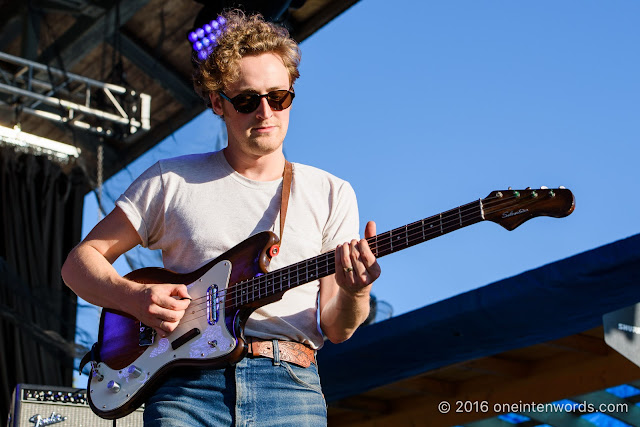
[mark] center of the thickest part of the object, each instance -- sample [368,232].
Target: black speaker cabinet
[38,405]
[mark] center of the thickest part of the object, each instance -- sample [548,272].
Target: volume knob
[134,371]
[113,386]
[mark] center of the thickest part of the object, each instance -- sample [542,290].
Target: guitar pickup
[213,304]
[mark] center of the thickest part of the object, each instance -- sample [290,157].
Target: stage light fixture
[203,39]
[209,24]
[39,144]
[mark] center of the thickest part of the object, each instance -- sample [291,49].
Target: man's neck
[268,167]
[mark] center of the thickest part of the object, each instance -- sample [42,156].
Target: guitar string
[449,221]
[446,224]
[381,243]
[329,263]
[294,268]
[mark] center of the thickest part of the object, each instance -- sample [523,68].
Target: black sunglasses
[246,103]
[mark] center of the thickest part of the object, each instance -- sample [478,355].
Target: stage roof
[88,38]
[536,337]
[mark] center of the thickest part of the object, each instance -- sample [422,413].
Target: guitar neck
[426,229]
[279,281]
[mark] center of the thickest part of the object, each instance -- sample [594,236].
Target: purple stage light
[204,39]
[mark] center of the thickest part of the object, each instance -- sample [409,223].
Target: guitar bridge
[146,336]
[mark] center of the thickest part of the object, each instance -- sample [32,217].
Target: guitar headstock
[510,208]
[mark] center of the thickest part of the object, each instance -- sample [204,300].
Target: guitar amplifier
[38,405]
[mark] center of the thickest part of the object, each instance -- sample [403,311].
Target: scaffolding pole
[102,108]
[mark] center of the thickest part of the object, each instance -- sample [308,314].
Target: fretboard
[283,279]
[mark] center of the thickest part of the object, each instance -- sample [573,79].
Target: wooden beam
[496,365]
[86,34]
[30,35]
[581,343]
[364,405]
[435,386]
[10,27]
[140,56]
[325,13]
[547,382]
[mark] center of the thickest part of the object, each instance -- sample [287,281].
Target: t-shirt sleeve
[143,204]
[343,223]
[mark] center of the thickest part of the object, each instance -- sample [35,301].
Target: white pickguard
[214,341]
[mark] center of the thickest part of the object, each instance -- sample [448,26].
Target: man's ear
[216,103]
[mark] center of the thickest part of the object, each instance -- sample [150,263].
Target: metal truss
[101,108]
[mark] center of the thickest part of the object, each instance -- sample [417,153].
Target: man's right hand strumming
[89,272]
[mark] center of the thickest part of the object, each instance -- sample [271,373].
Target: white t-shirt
[196,207]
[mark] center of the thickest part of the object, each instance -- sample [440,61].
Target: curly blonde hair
[243,35]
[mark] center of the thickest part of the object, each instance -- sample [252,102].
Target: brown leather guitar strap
[287,177]
[286,190]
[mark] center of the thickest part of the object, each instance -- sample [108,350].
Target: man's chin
[264,148]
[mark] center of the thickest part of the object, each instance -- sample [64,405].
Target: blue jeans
[256,392]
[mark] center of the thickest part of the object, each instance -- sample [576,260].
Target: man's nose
[264,110]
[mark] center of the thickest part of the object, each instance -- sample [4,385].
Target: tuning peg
[562,187]
[543,187]
[528,188]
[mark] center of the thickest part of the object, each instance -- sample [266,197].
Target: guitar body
[132,361]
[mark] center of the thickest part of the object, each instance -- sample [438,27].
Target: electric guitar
[129,360]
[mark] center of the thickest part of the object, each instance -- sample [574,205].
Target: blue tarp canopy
[559,299]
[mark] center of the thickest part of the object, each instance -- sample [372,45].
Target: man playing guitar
[195,208]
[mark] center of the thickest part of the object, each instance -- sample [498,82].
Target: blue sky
[425,106]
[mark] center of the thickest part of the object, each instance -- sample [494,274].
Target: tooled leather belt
[289,351]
